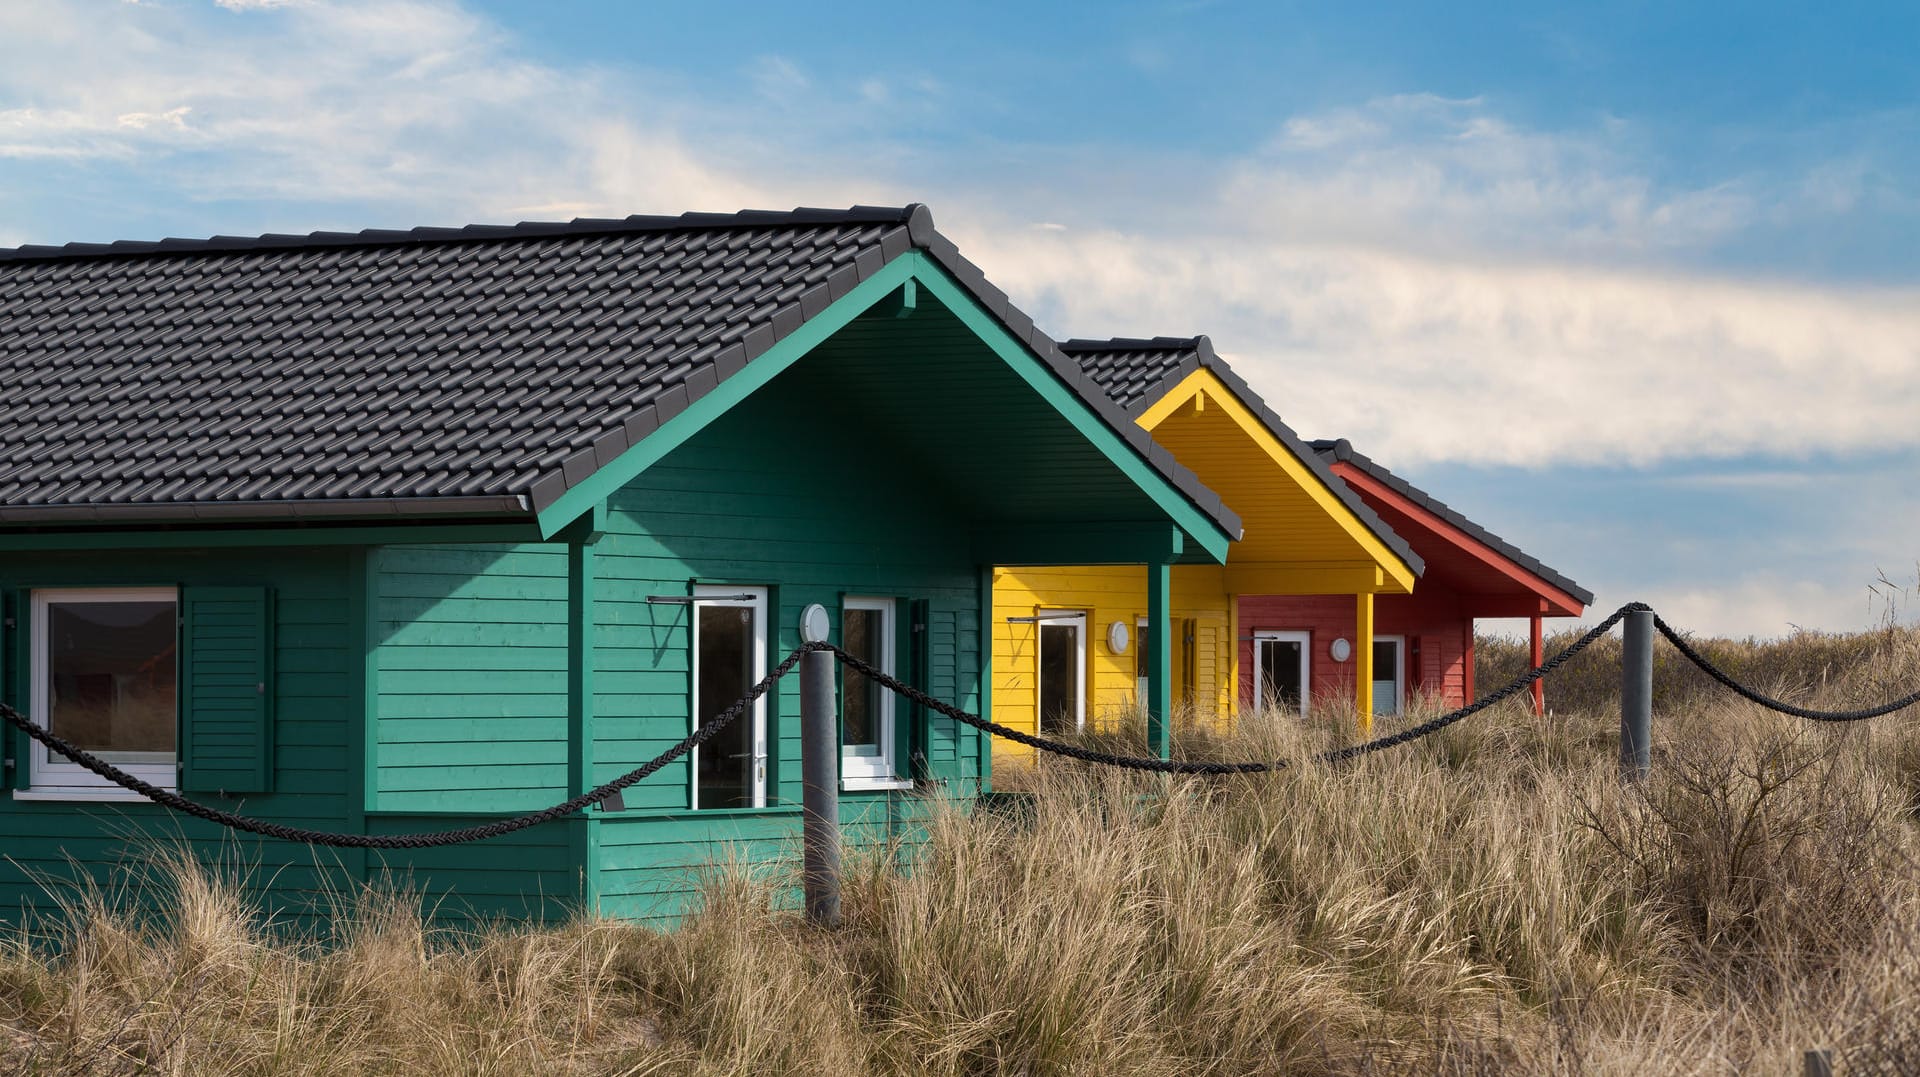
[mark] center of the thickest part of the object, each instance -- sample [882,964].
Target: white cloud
[1418,359]
[1420,274]
[418,108]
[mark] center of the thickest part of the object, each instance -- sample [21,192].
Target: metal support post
[1636,695]
[820,781]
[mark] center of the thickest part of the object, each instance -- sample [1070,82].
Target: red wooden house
[1299,647]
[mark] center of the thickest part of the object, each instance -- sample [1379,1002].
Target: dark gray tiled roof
[469,371]
[1342,450]
[1138,371]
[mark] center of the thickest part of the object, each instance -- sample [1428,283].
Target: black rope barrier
[1193,766]
[426,840]
[711,728]
[1686,650]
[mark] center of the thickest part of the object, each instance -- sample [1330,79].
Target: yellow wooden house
[1071,643]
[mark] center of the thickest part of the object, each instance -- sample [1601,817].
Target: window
[1063,673]
[729,657]
[1280,671]
[104,676]
[867,632]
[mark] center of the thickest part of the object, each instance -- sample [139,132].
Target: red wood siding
[1432,621]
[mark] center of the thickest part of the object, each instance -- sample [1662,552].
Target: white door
[1280,668]
[1389,673]
[1063,673]
[729,657]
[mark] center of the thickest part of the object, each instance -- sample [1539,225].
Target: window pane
[863,635]
[725,645]
[110,678]
[1386,659]
[1059,674]
[1280,685]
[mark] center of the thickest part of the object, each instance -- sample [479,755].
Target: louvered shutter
[226,689]
[15,677]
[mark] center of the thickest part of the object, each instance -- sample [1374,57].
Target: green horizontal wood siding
[788,494]
[314,646]
[470,677]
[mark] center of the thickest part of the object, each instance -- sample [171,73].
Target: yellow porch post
[1363,660]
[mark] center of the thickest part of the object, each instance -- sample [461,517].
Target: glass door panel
[1280,671]
[1386,675]
[729,770]
[1062,675]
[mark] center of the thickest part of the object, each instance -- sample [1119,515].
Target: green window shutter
[226,689]
[911,719]
[15,677]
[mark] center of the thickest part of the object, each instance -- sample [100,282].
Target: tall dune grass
[1490,899]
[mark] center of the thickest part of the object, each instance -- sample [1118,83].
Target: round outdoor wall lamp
[1117,637]
[1341,650]
[813,624]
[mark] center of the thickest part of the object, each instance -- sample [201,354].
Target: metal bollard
[820,780]
[1636,695]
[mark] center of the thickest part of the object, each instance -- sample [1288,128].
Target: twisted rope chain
[711,728]
[1188,766]
[707,731]
[1686,650]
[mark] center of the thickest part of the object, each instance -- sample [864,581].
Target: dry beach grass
[1490,899]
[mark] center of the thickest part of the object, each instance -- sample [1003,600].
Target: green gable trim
[671,434]
[918,269]
[1206,534]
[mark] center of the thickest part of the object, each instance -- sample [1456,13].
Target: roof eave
[174,512]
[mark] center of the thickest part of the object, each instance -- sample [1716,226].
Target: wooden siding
[1289,515]
[736,505]
[1108,593]
[470,671]
[1430,619]
[315,648]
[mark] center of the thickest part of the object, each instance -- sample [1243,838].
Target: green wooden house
[395,531]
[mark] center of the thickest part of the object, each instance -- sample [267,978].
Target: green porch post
[1159,643]
[580,660]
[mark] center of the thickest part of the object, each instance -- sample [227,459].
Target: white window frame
[724,595]
[1078,622]
[873,770]
[1140,627]
[51,777]
[1305,640]
[1399,677]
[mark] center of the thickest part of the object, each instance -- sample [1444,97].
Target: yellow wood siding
[1109,593]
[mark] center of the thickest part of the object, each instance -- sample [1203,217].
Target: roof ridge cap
[916,216]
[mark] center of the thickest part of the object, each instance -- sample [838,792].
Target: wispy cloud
[1422,274]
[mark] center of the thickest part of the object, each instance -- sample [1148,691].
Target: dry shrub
[1488,899]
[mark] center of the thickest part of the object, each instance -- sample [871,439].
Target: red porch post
[1537,656]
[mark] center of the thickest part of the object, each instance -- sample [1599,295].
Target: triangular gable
[1451,538]
[1155,379]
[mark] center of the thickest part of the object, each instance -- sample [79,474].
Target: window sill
[874,785]
[114,795]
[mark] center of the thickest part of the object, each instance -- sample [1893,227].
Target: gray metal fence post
[820,780]
[1636,695]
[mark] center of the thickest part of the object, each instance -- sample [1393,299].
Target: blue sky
[1633,285]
